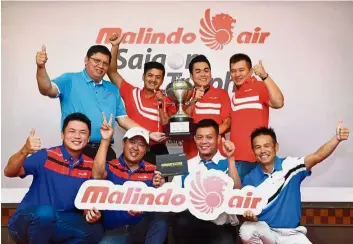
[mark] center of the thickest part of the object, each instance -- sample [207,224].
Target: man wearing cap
[129,167]
[88,93]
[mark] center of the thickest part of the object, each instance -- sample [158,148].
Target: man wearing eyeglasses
[86,92]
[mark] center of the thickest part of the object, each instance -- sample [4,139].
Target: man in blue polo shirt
[280,179]
[47,213]
[131,226]
[86,92]
[186,227]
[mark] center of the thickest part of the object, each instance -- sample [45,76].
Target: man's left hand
[228,147]
[157,136]
[134,213]
[92,215]
[342,133]
[259,70]
[158,180]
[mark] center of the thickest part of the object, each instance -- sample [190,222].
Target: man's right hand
[200,91]
[106,129]
[41,57]
[33,143]
[115,39]
[250,216]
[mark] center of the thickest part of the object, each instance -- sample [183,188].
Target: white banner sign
[207,194]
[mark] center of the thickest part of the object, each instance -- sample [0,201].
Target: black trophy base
[179,128]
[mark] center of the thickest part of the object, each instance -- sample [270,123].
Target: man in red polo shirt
[208,102]
[146,106]
[250,106]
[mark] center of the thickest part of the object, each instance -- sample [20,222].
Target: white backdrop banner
[305,46]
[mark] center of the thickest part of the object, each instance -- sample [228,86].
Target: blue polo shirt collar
[277,166]
[215,159]
[69,158]
[89,79]
[123,163]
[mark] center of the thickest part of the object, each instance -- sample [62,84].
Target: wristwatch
[264,78]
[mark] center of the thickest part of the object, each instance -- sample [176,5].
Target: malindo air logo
[216,32]
[206,194]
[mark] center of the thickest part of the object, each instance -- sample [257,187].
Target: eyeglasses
[98,62]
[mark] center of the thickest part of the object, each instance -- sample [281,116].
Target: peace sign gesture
[106,128]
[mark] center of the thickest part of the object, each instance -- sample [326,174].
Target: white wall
[308,53]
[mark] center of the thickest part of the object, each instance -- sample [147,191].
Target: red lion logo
[207,194]
[217,32]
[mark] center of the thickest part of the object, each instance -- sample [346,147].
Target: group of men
[47,213]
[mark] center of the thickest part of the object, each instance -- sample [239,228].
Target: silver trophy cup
[179,91]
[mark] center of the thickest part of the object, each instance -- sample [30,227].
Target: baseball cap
[137,131]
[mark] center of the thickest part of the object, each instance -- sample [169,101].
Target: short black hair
[77,117]
[264,131]
[99,49]
[198,59]
[205,123]
[153,65]
[240,57]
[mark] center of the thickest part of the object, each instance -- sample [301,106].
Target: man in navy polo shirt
[86,92]
[280,179]
[186,227]
[129,226]
[47,213]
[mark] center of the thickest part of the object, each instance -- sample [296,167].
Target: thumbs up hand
[260,70]
[33,142]
[228,148]
[200,91]
[342,132]
[41,57]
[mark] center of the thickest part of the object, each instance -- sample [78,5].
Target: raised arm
[98,170]
[14,167]
[113,73]
[327,149]
[276,96]
[228,149]
[45,86]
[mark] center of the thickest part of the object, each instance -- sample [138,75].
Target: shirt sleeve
[246,181]
[120,108]
[64,84]
[301,164]
[264,95]
[170,106]
[125,89]
[35,162]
